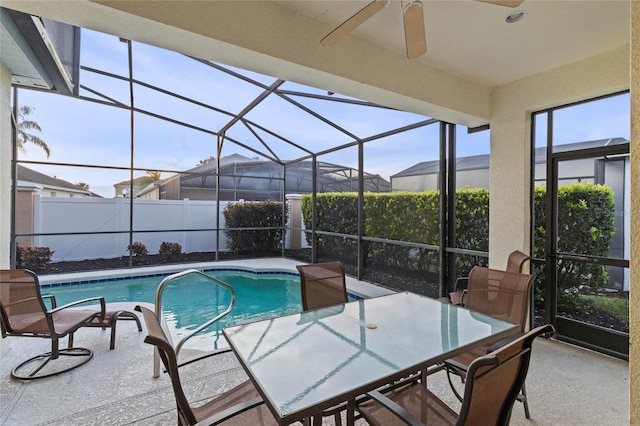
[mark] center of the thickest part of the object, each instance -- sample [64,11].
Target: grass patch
[617,306]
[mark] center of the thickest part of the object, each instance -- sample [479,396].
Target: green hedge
[344,223]
[263,214]
[586,212]
[386,216]
[586,219]
[400,216]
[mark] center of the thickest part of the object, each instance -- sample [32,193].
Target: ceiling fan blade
[414,34]
[354,22]
[508,3]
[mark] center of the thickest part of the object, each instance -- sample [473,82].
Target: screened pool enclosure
[162,143]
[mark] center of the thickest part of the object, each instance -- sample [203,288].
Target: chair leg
[453,388]
[112,343]
[28,370]
[126,315]
[522,397]
[338,419]
[55,351]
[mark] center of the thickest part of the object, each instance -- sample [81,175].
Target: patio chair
[322,285]
[500,294]
[492,386]
[515,263]
[24,313]
[241,405]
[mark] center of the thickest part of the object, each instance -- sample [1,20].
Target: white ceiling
[470,39]
[470,49]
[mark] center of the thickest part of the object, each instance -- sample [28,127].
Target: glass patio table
[303,364]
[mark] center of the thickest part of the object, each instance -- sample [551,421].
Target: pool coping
[355,288]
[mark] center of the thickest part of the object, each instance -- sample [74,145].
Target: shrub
[137,249]
[263,214]
[36,258]
[170,251]
[586,213]
[19,251]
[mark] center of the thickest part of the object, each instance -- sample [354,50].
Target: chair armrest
[231,411]
[213,353]
[452,363]
[503,342]
[457,297]
[52,298]
[78,302]
[462,283]
[396,409]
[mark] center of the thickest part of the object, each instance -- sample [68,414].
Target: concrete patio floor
[566,385]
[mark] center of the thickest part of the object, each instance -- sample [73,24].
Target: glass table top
[310,359]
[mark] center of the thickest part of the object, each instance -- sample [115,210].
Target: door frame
[598,338]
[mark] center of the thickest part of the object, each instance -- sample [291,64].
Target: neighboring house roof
[139,190]
[149,188]
[476,162]
[201,169]
[26,175]
[136,182]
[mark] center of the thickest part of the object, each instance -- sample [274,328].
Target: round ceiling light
[516,16]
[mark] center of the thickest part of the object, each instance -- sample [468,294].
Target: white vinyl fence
[59,215]
[65,214]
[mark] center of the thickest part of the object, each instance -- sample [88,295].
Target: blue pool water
[188,302]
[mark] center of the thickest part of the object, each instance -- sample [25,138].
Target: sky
[80,132]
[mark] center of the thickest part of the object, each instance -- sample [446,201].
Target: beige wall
[634,308]
[5,166]
[512,106]
[510,158]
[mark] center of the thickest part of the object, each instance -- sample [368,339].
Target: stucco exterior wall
[510,147]
[5,166]
[512,106]
[634,308]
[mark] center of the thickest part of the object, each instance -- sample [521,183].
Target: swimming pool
[190,301]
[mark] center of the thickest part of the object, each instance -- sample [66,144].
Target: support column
[294,240]
[634,293]
[5,166]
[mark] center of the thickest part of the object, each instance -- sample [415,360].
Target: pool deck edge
[354,286]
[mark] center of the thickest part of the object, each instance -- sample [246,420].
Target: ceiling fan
[415,38]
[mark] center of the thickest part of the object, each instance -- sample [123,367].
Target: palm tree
[152,176]
[22,127]
[205,161]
